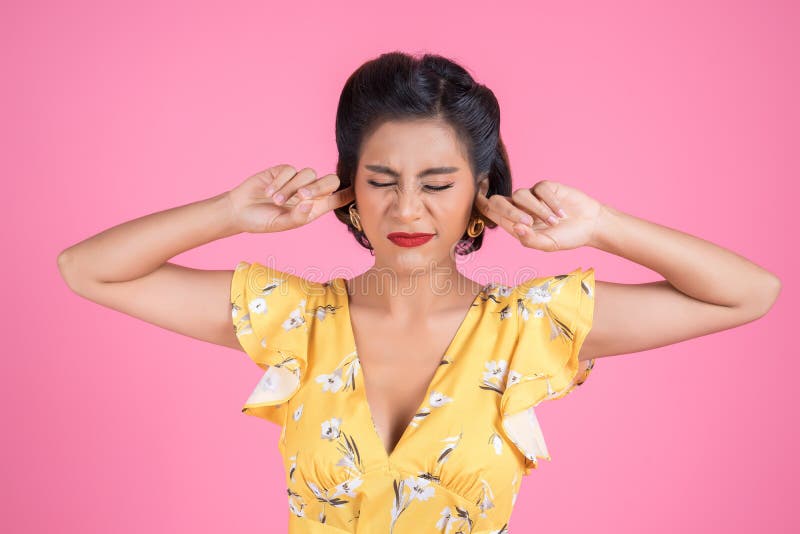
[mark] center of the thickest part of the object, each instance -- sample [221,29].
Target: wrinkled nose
[408,205]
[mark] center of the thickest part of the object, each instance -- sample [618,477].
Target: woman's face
[394,193]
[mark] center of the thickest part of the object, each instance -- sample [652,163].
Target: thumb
[534,239]
[298,215]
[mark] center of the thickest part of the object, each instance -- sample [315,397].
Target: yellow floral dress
[459,463]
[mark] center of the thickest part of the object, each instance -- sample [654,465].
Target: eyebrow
[382,169]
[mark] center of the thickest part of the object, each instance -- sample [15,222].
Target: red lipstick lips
[404,239]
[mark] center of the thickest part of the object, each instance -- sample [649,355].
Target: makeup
[404,239]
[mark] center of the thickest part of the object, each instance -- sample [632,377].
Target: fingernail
[303,192]
[552,220]
[278,198]
[519,230]
[270,190]
[526,219]
[561,213]
[305,207]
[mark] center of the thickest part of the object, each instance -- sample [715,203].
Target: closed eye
[428,187]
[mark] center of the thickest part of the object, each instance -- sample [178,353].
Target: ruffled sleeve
[268,310]
[554,315]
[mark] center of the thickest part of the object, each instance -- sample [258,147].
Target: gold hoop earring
[355,219]
[472,231]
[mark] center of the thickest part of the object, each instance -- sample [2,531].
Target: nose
[408,204]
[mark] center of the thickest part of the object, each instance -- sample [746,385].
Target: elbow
[63,262]
[766,297]
[774,290]
[66,267]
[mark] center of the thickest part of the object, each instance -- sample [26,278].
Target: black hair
[398,86]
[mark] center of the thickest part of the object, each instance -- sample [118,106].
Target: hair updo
[397,86]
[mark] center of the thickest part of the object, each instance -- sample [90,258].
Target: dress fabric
[459,463]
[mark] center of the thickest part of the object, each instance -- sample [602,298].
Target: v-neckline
[388,455]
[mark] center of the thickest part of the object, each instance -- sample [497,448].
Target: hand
[256,211]
[538,203]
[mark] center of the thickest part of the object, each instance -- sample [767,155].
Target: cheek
[370,203]
[452,215]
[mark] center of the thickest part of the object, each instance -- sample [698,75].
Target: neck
[404,294]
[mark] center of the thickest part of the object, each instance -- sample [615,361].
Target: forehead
[412,143]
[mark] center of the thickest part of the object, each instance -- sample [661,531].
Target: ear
[483,184]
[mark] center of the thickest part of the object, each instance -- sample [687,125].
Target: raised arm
[125,267]
[706,289]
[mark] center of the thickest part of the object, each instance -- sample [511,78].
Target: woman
[406,395]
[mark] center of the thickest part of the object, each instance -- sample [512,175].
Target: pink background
[683,113]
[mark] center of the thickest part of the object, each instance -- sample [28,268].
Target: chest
[398,365]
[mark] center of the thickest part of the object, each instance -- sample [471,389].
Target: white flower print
[419,416]
[454,520]
[348,368]
[421,489]
[499,289]
[272,382]
[324,495]
[268,382]
[444,521]
[437,400]
[347,488]
[296,318]
[330,428]
[296,503]
[351,458]
[257,305]
[514,487]
[292,467]
[495,376]
[452,443]
[243,327]
[539,294]
[352,373]
[497,443]
[550,391]
[399,504]
[525,312]
[487,498]
[332,382]
[269,288]
[322,311]
[496,371]
[298,413]
[513,378]
[542,294]
[522,310]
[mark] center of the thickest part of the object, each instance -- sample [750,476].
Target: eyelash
[429,187]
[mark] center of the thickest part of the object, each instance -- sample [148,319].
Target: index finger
[320,191]
[482,203]
[340,198]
